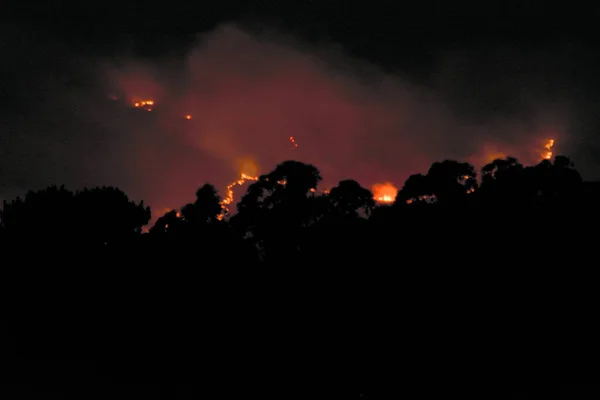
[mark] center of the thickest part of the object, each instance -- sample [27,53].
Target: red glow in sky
[252,98]
[240,97]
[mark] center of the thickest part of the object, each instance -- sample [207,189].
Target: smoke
[72,120]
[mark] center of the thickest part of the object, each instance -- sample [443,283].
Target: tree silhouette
[41,216]
[503,179]
[276,207]
[345,267]
[58,217]
[206,209]
[109,216]
[451,181]
[416,188]
[350,199]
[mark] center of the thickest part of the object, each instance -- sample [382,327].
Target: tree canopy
[453,248]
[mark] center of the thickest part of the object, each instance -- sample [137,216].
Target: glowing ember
[425,198]
[145,104]
[384,192]
[293,141]
[188,117]
[547,154]
[228,199]
[168,210]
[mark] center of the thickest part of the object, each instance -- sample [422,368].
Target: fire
[293,141]
[145,104]
[547,154]
[426,198]
[384,192]
[188,117]
[228,199]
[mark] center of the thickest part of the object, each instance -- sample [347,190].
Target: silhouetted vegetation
[292,261]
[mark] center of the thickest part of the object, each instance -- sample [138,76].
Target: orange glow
[384,192]
[188,117]
[145,104]
[547,153]
[168,210]
[228,199]
[421,198]
[293,141]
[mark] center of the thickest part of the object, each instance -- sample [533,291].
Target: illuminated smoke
[267,98]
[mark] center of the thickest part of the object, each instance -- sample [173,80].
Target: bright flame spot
[188,117]
[384,192]
[145,104]
[547,154]
[293,141]
[426,198]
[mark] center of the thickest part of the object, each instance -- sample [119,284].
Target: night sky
[372,92]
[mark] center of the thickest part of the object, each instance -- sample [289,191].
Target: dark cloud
[248,92]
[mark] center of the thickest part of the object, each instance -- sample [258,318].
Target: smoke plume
[238,96]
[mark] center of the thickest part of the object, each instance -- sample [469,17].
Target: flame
[384,192]
[293,141]
[228,199]
[188,116]
[547,154]
[145,104]
[425,197]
